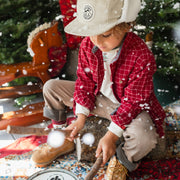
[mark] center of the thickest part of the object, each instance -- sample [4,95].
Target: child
[114,81]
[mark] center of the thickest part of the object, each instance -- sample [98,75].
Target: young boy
[114,81]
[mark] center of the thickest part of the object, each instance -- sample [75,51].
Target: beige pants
[140,136]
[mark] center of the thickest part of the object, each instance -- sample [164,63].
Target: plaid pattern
[132,77]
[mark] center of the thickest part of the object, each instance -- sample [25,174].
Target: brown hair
[123,26]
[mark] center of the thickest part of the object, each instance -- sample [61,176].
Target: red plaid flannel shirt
[132,77]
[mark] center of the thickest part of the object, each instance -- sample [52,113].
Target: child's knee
[49,85]
[142,130]
[140,137]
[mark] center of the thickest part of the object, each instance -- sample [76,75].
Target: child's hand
[76,127]
[107,145]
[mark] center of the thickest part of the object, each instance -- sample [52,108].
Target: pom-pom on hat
[98,16]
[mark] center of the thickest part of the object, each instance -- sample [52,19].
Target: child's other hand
[107,145]
[76,126]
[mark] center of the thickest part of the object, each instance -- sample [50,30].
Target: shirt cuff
[81,110]
[114,128]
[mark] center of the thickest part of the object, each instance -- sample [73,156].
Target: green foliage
[19,102]
[22,80]
[160,17]
[17,19]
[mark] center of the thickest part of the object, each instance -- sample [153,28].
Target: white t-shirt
[106,90]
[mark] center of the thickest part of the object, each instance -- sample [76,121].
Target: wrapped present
[169,146]
[172,119]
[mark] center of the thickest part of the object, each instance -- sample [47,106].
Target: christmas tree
[17,19]
[161,17]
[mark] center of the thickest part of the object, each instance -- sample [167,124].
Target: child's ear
[128,27]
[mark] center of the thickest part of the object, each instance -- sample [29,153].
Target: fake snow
[55,139]
[176,6]
[100,105]
[59,17]
[30,52]
[73,6]
[87,70]
[176,32]
[29,83]
[50,70]
[162,90]
[88,139]
[75,14]
[100,121]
